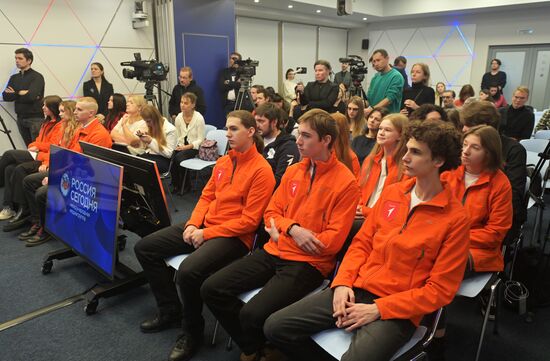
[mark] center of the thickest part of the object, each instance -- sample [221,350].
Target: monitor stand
[125,277]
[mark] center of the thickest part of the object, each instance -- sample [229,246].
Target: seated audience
[262,96]
[362,144]
[449,99]
[308,219]
[355,114]
[439,90]
[321,93]
[486,195]
[117,108]
[500,101]
[429,112]
[485,94]
[280,148]
[517,119]
[158,141]
[383,165]
[394,272]
[342,148]
[28,161]
[419,92]
[220,230]
[186,85]
[453,117]
[467,91]
[190,134]
[124,133]
[254,89]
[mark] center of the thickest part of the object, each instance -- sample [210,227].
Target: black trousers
[31,184]
[176,171]
[283,282]
[163,163]
[213,255]
[29,128]
[19,174]
[8,162]
[291,328]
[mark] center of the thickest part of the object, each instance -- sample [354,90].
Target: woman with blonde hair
[355,114]
[125,131]
[419,93]
[344,153]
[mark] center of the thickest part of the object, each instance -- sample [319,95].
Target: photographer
[229,84]
[321,93]
[186,85]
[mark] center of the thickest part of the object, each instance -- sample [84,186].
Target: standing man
[321,93]
[344,76]
[280,148]
[386,87]
[229,83]
[186,85]
[495,76]
[399,64]
[26,89]
[518,120]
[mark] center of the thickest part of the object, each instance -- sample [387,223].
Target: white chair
[472,287]
[337,341]
[542,134]
[208,128]
[196,164]
[534,145]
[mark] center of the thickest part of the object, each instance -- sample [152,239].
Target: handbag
[208,150]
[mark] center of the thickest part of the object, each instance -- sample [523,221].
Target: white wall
[65,39]
[497,28]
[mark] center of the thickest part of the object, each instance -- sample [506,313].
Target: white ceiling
[304,11]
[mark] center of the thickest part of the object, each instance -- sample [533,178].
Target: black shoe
[21,214]
[16,223]
[40,237]
[30,233]
[186,346]
[160,322]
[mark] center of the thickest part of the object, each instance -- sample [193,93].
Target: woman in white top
[289,94]
[124,133]
[159,140]
[190,127]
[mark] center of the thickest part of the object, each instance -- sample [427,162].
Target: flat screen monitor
[83,204]
[143,205]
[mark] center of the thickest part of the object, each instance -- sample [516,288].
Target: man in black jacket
[518,120]
[230,85]
[26,89]
[186,85]
[495,76]
[280,149]
[321,93]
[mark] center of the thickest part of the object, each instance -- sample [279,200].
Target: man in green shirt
[386,87]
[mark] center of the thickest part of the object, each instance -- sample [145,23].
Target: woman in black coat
[98,88]
[419,93]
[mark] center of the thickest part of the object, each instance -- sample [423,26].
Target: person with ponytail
[343,151]
[220,230]
[307,219]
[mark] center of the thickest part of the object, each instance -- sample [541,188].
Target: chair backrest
[534,145]
[208,128]
[219,135]
[542,134]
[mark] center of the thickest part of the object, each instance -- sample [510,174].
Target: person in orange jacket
[342,147]
[486,194]
[18,161]
[308,219]
[407,261]
[220,230]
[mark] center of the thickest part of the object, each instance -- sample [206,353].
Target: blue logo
[65,184]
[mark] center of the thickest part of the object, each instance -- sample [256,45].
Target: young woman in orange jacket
[484,190]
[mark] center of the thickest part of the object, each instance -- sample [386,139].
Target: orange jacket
[355,164]
[323,202]
[489,204]
[50,133]
[94,133]
[235,197]
[413,260]
[370,186]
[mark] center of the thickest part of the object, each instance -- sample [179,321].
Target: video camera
[357,67]
[300,70]
[144,70]
[246,69]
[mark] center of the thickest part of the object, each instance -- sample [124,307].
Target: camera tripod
[149,96]
[6,131]
[357,90]
[243,100]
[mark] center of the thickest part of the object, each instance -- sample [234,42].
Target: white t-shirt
[380,185]
[470,178]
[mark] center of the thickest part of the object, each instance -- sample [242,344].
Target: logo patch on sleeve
[219,174]
[389,210]
[293,187]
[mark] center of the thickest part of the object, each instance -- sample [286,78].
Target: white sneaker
[7,213]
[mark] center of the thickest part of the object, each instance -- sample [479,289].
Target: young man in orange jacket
[308,219]
[407,261]
[220,230]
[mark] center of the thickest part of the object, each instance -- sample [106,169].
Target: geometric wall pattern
[66,36]
[447,50]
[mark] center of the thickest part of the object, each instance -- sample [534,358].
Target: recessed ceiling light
[256,1]
[290,6]
[365,19]
[318,11]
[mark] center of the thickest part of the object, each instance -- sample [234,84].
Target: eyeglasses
[446,97]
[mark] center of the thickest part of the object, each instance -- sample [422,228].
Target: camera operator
[26,89]
[229,84]
[321,93]
[344,76]
[186,85]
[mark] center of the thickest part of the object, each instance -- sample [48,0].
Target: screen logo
[65,184]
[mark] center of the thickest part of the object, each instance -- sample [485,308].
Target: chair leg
[213,342]
[486,318]
[183,181]
[169,195]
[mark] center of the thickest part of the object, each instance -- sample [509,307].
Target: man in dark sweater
[518,120]
[26,89]
[321,93]
[495,76]
[186,85]
[280,149]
